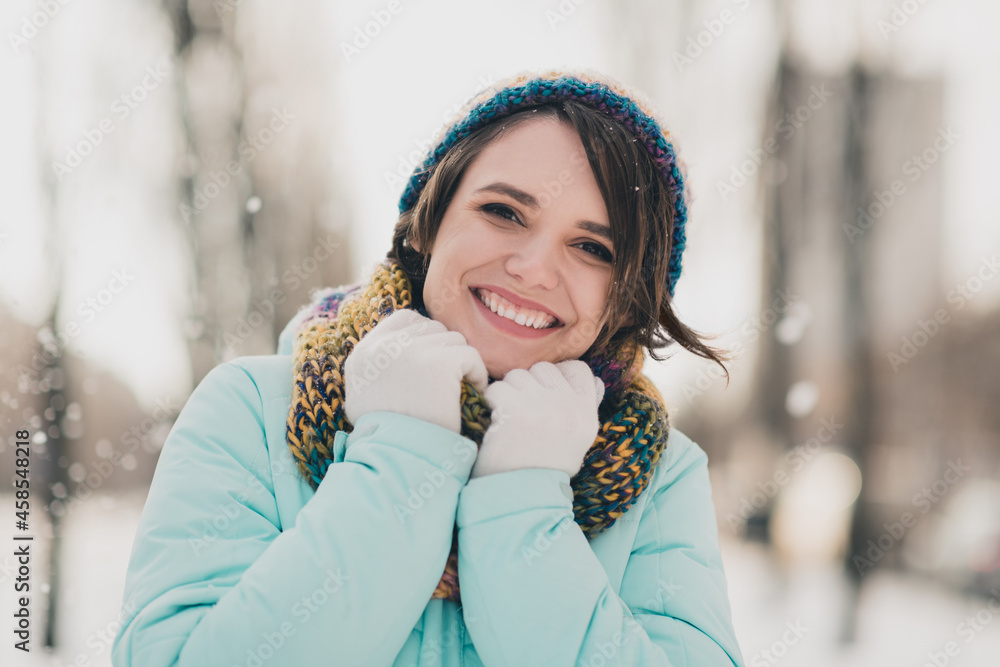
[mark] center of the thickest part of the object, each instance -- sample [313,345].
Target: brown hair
[638,307]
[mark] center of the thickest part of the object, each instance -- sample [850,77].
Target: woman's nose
[536,262]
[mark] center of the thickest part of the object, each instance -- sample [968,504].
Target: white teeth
[536,320]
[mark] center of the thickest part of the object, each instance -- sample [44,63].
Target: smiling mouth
[526,317]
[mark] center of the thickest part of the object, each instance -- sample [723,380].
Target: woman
[458,461]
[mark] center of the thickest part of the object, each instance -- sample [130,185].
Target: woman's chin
[495,373]
[496,369]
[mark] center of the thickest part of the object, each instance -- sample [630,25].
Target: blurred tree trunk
[50,384]
[823,178]
[300,234]
[891,258]
[210,111]
[782,207]
[858,324]
[843,264]
[264,216]
[54,387]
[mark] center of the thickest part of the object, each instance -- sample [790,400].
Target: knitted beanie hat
[596,91]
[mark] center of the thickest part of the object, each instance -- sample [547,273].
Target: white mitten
[545,417]
[412,365]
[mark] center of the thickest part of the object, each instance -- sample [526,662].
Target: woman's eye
[501,211]
[598,250]
[507,213]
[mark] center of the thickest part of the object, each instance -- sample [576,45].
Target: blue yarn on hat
[606,96]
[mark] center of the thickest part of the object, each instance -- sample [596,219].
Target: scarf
[616,469]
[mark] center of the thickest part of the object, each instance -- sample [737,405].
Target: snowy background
[130,265]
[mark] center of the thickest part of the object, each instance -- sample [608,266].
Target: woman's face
[526,228]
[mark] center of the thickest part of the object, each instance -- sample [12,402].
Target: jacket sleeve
[214,579]
[535,593]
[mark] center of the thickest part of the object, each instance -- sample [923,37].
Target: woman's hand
[545,417]
[412,365]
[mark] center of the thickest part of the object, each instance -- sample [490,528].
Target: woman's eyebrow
[595,228]
[524,198]
[512,192]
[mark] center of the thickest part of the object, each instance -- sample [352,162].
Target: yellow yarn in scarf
[616,469]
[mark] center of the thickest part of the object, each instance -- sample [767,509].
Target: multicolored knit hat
[599,92]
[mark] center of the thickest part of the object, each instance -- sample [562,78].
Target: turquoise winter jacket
[238,562]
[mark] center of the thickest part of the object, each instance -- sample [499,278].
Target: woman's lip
[509,326]
[517,300]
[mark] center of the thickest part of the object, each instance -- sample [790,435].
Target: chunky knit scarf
[616,469]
